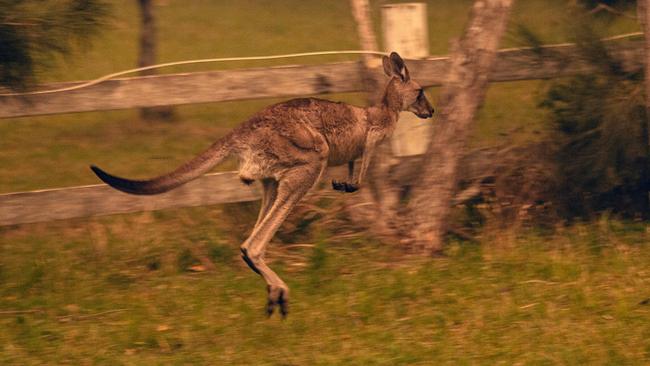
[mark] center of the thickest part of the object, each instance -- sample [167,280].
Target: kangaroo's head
[402,92]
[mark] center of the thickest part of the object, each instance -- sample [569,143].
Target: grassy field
[116,290]
[120,289]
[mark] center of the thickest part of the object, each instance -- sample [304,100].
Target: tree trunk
[373,207]
[368,42]
[147,57]
[367,38]
[461,96]
[643,14]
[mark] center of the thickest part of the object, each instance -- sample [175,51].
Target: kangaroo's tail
[193,169]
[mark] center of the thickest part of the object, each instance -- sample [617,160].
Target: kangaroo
[287,146]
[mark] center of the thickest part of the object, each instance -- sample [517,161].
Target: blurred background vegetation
[33,33]
[569,286]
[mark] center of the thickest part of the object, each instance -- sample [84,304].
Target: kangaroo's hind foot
[278,296]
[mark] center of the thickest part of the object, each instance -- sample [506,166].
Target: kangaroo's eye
[420,92]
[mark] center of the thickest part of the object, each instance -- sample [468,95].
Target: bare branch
[604,7]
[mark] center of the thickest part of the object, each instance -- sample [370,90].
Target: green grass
[569,298]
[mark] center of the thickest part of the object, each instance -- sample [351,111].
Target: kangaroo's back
[342,125]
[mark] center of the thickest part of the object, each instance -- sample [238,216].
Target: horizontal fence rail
[201,87]
[284,81]
[100,199]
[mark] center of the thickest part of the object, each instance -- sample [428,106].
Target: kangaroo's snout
[425,115]
[422,108]
[431,111]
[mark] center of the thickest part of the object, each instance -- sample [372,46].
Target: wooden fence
[216,86]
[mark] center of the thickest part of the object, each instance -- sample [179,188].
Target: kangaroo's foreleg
[353,184]
[351,171]
[289,192]
[345,186]
[365,162]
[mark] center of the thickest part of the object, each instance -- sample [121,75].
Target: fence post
[405,31]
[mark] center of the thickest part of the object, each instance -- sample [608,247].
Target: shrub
[599,127]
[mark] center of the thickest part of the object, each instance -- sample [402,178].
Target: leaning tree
[411,200]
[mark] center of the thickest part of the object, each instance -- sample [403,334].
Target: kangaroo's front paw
[351,187]
[338,186]
[277,296]
[344,186]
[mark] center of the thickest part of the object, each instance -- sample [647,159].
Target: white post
[405,31]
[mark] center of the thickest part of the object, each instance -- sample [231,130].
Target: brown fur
[287,147]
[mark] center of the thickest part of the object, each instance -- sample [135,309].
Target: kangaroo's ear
[394,66]
[388,67]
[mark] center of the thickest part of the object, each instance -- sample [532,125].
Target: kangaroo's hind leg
[290,189]
[269,194]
